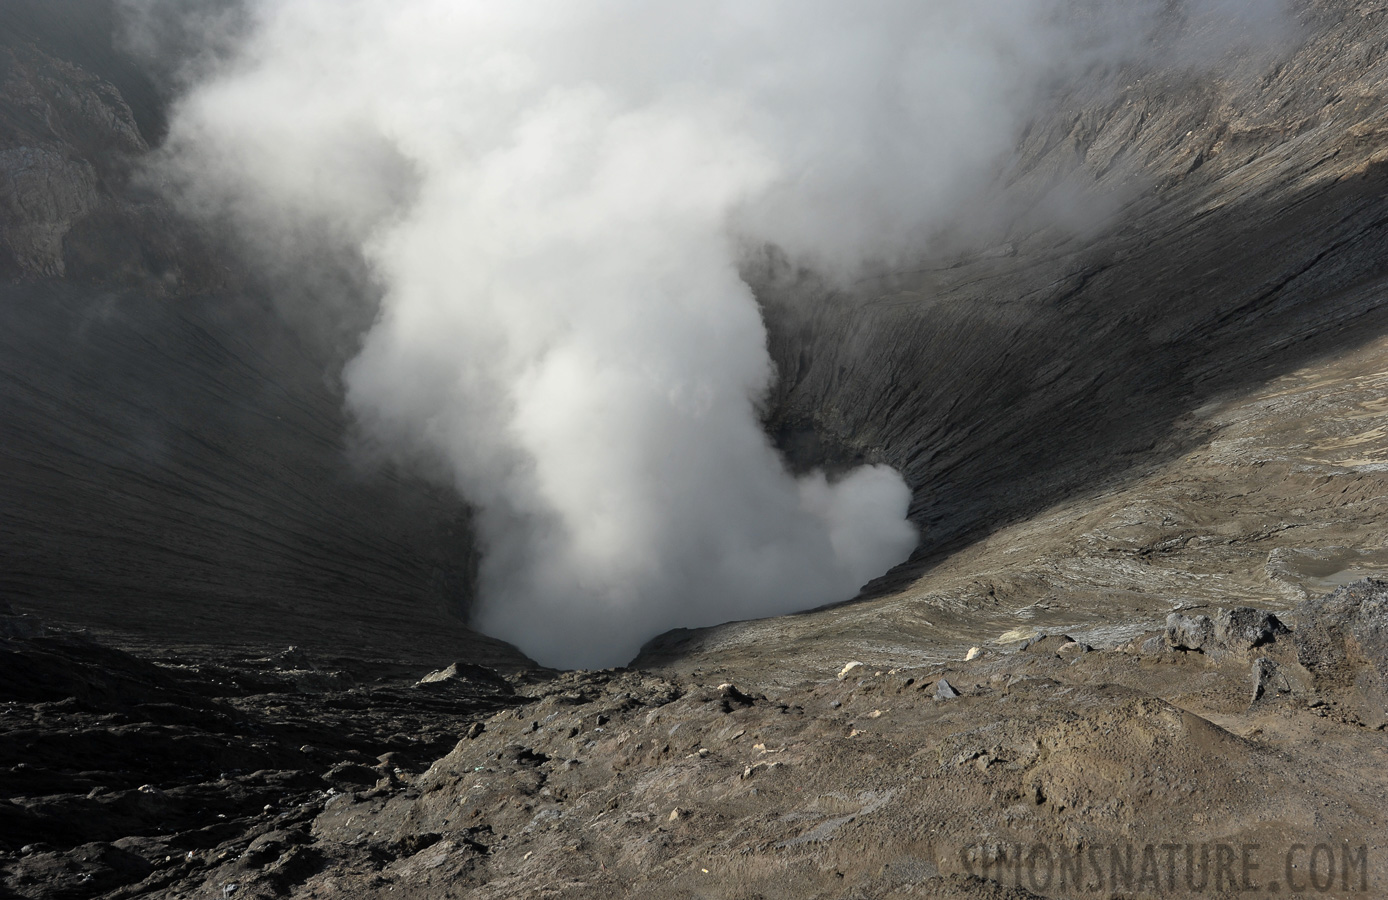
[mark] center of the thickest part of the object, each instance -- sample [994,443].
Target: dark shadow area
[180,469]
[173,456]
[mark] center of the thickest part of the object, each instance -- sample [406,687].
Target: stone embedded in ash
[348,773]
[1243,628]
[1151,645]
[1269,678]
[1073,650]
[848,669]
[731,695]
[944,690]
[1047,644]
[1188,632]
[461,675]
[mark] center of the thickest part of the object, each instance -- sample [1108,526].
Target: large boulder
[1188,632]
[1342,633]
[1342,640]
[1236,630]
[467,678]
[1242,628]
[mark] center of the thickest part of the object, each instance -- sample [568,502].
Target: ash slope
[173,455]
[1052,370]
[176,448]
[1243,237]
[173,449]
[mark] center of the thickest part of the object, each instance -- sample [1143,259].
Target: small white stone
[843,673]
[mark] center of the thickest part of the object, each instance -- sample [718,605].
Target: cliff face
[1180,407]
[1165,237]
[173,458]
[50,181]
[69,143]
[1213,230]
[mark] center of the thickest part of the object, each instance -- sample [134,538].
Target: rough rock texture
[1188,632]
[1236,630]
[70,145]
[1347,627]
[1343,640]
[1243,628]
[292,776]
[116,770]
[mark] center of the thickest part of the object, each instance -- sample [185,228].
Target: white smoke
[553,196]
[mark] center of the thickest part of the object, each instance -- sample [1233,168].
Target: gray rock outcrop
[1243,628]
[1345,632]
[1188,632]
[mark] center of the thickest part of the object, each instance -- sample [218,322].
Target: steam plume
[552,196]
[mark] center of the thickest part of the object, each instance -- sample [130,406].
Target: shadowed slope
[173,458]
[180,469]
[1249,238]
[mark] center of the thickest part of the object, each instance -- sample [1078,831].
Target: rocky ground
[1224,752]
[122,772]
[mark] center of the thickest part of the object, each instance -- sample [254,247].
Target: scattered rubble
[173,778]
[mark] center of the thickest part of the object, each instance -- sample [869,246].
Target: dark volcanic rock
[1341,634]
[1188,632]
[1270,678]
[629,783]
[85,871]
[1243,628]
[116,766]
[468,678]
